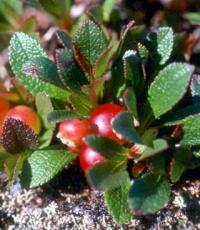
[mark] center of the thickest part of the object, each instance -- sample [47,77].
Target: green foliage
[148,194]
[145,73]
[89,44]
[22,48]
[43,165]
[169,86]
[117,202]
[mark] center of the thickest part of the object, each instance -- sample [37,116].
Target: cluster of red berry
[72,133]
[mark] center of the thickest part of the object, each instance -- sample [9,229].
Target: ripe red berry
[101,121]
[88,158]
[26,115]
[4,107]
[72,132]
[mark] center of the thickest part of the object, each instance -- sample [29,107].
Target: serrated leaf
[69,71]
[89,43]
[17,136]
[57,116]
[179,163]
[148,194]
[107,175]
[23,48]
[169,87]
[123,124]
[42,68]
[157,146]
[117,202]
[191,129]
[43,165]
[107,147]
[195,88]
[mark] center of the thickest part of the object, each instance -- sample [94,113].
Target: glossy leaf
[107,175]
[89,43]
[191,129]
[157,146]
[23,48]
[117,202]
[123,124]
[43,165]
[42,68]
[169,87]
[180,163]
[148,194]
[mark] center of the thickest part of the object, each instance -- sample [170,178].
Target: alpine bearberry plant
[127,107]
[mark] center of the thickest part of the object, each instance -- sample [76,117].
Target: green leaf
[69,71]
[57,116]
[64,39]
[43,165]
[107,175]
[44,106]
[157,146]
[165,40]
[13,165]
[193,17]
[42,68]
[106,147]
[169,87]
[132,69]
[195,88]
[51,7]
[148,194]
[90,42]
[191,129]
[117,202]
[123,124]
[102,62]
[179,163]
[131,102]
[149,136]
[178,116]
[23,48]
[81,104]
[160,45]
[143,51]
[107,9]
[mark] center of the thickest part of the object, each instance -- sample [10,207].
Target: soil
[67,202]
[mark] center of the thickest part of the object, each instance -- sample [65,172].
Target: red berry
[26,115]
[4,107]
[88,158]
[72,132]
[101,119]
